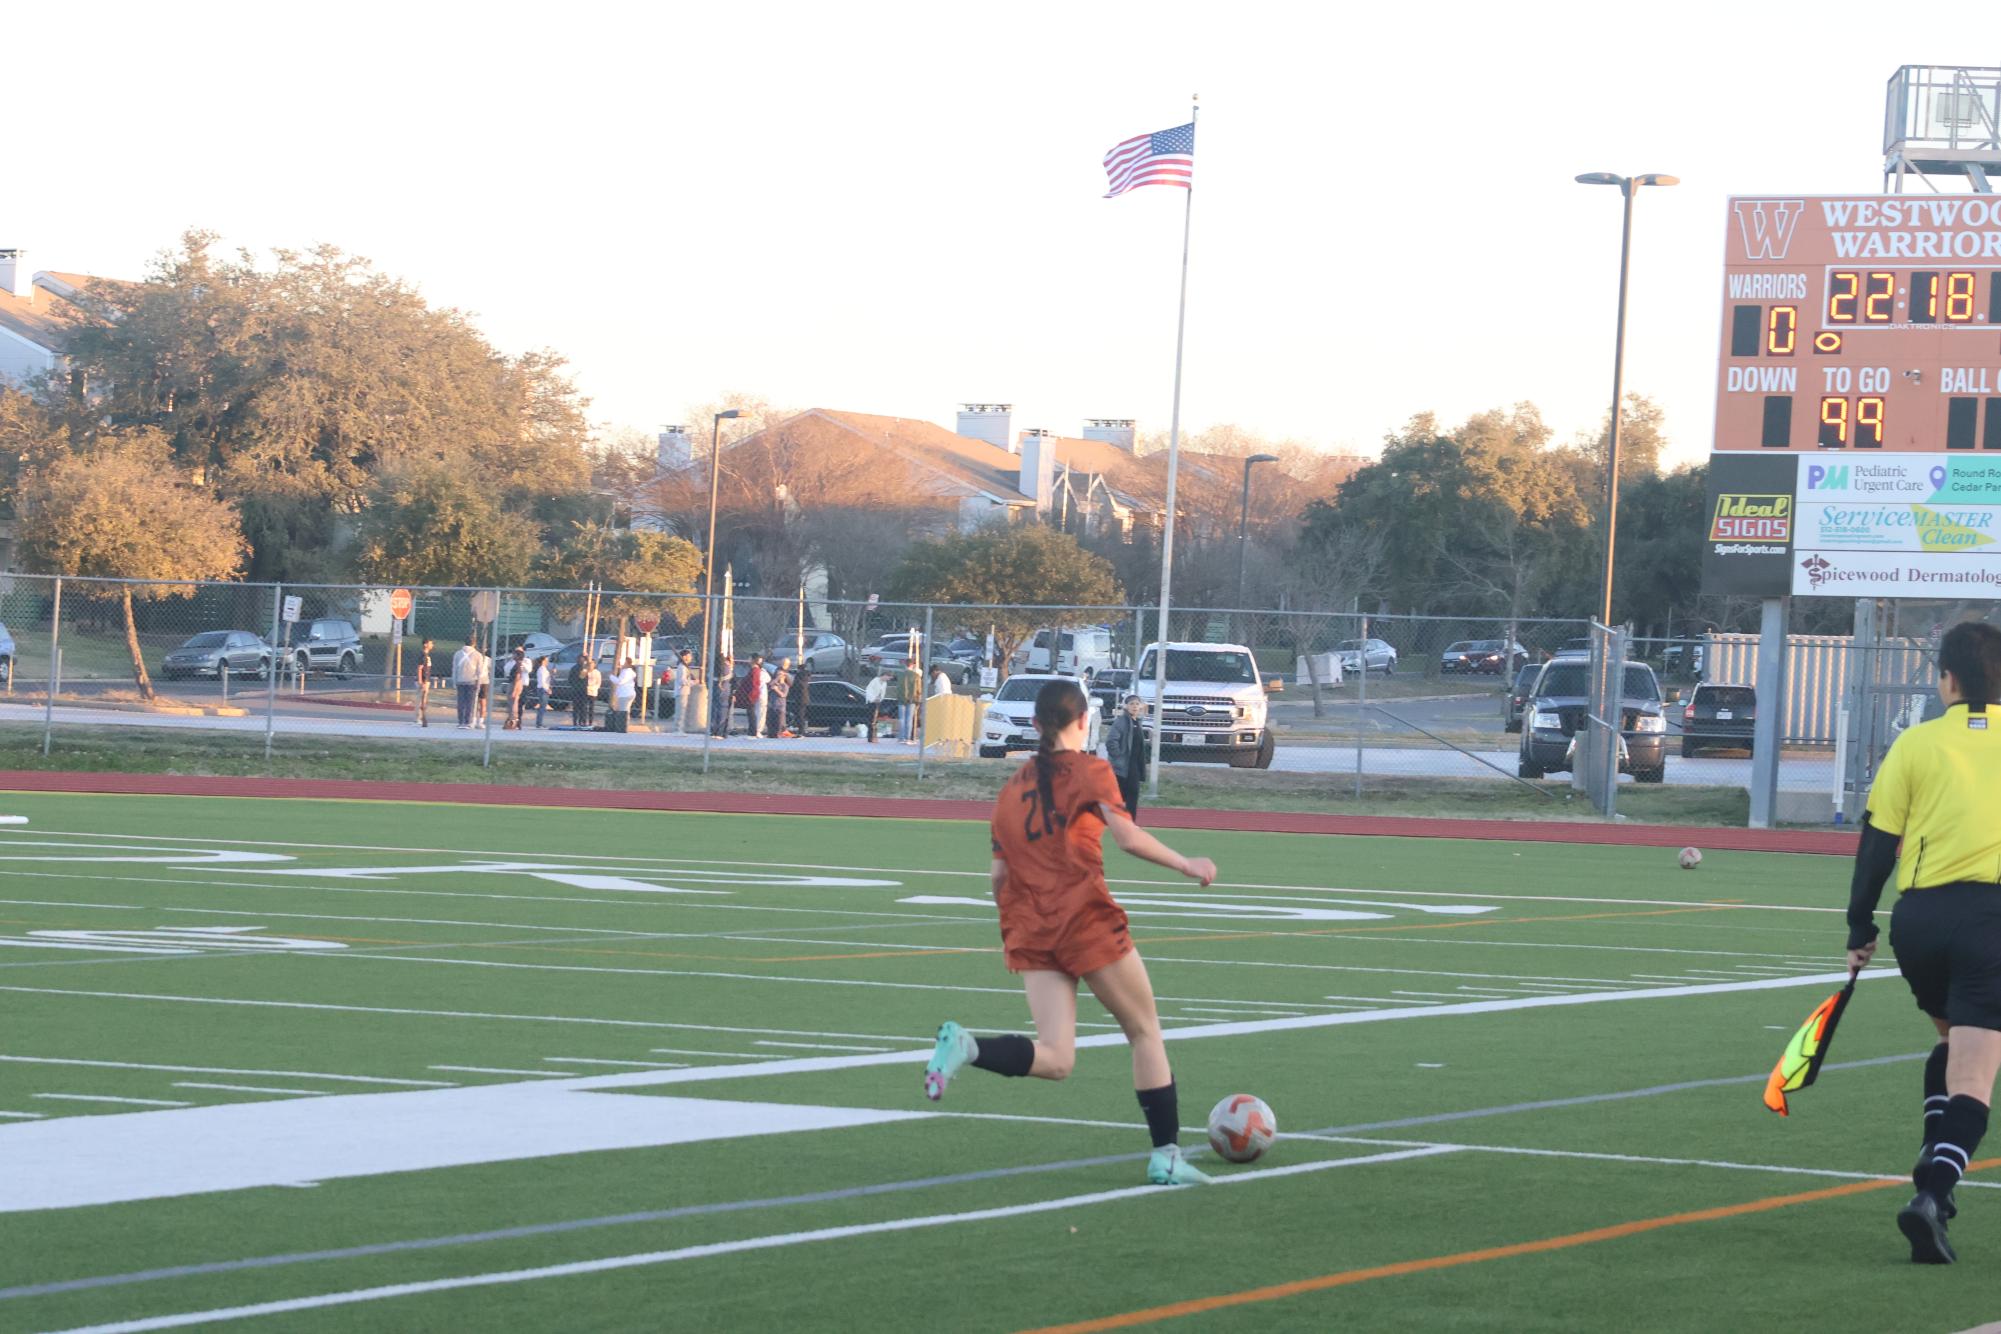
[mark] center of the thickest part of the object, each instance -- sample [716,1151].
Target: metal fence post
[924,696]
[55,666]
[1361,703]
[271,678]
[486,676]
[712,655]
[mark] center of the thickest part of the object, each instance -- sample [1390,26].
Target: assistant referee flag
[1165,157]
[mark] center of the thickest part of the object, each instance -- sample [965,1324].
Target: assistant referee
[1939,793]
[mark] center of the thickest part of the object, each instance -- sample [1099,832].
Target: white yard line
[591,1060]
[228,1070]
[735,1055]
[101,1097]
[250,1088]
[738,1246]
[814,1046]
[24,1116]
[498,1070]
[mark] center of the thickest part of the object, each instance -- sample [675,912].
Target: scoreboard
[1868,322]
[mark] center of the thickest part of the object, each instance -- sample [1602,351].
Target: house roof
[46,314]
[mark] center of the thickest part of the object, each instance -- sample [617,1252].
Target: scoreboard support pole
[1769,730]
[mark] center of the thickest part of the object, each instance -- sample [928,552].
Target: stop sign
[646,624]
[399,603]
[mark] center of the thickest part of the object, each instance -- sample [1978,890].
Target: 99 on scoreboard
[1861,322]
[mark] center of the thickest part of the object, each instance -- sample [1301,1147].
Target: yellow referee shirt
[1940,790]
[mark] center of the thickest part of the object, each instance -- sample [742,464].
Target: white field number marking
[168,940]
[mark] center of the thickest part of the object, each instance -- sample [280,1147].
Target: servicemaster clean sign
[1898,525]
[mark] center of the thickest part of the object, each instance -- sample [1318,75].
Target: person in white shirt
[941,684]
[465,679]
[624,689]
[543,683]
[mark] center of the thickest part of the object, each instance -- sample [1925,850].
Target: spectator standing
[802,695]
[543,683]
[941,684]
[424,686]
[517,688]
[909,692]
[593,683]
[780,724]
[722,697]
[1125,747]
[574,684]
[877,695]
[684,686]
[756,685]
[465,680]
[624,690]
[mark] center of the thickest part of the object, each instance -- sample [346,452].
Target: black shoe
[1922,1222]
[1948,1207]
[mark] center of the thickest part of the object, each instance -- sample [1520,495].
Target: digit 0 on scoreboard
[1859,309]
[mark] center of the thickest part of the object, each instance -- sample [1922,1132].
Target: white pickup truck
[1215,706]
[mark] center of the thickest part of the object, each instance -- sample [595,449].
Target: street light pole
[709,560]
[1244,521]
[1628,187]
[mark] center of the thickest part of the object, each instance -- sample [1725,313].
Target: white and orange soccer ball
[1690,858]
[1241,1128]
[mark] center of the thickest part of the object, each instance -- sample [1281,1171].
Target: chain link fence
[329,676]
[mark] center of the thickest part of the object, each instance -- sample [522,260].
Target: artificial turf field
[561,1069]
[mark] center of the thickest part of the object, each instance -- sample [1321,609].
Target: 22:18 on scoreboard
[1861,322]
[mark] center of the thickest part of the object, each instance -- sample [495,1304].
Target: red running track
[1825,842]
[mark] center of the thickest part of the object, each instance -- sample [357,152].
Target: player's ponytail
[1058,706]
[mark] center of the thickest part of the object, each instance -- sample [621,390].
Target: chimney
[1037,479]
[1112,431]
[676,450]
[987,421]
[14,275]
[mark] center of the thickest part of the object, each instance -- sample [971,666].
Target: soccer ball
[1241,1128]
[1690,858]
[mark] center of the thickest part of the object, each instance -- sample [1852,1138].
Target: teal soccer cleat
[1168,1168]
[955,1048]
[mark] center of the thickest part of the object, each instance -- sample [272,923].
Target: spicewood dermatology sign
[1905,525]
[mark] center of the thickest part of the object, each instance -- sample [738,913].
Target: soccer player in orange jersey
[1060,923]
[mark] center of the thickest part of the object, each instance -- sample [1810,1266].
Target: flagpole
[1173,469]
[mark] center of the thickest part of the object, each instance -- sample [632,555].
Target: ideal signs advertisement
[1835,525]
[1911,525]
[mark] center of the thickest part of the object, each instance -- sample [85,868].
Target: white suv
[1214,707]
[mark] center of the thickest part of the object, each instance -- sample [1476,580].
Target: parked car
[6,657]
[327,646]
[539,646]
[1493,656]
[822,650]
[1682,660]
[1008,721]
[1213,707]
[892,652]
[238,652]
[968,649]
[832,704]
[1718,715]
[1517,697]
[1559,703]
[564,659]
[1072,652]
[1110,688]
[1375,654]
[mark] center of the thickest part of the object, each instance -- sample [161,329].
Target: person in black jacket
[1125,747]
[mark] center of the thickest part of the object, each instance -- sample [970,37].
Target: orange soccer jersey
[1056,911]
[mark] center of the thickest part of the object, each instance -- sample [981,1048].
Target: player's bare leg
[1052,1001]
[1125,989]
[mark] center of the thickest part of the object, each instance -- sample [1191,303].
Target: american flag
[1166,157]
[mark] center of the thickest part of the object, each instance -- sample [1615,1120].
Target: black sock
[1959,1132]
[1935,1099]
[1008,1054]
[1163,1114]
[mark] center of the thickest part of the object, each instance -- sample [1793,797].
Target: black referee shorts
[1948,944]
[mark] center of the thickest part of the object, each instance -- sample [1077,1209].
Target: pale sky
[896,207]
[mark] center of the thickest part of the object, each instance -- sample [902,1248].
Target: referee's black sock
[1163,1114]
[1008,1054]
[1935,1098]
[1959,1133]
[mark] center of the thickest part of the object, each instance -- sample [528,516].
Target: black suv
[1719,715]
[327,646]
[1559,702]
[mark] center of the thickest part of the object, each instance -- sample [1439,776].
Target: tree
[292,386]
[429,523]
[642,569]
[121,510]
[1662,524]
[1642,440]
[1004,569]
